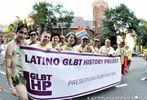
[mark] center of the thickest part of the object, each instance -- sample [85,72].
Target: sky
[10,9]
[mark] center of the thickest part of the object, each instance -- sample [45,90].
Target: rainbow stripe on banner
[81,32]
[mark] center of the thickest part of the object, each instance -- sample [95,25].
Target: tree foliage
[142,38]
[40,13]
[12,27]
[117,20]
[48,15]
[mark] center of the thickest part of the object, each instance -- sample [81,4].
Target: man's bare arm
[8,59]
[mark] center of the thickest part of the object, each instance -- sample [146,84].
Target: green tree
[64,16]
[117,20]
[48,15]
[12,27]
[142,38]
[39,14]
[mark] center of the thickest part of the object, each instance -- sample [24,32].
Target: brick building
[99,6]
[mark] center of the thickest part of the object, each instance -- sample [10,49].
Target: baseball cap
[84,37]
[96,39]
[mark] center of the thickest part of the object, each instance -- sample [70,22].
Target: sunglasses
[85,40]
[61,38]
[23,32]
[33,34]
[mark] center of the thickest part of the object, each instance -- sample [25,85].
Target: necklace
[107,49]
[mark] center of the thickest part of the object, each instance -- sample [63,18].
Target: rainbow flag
[81,32]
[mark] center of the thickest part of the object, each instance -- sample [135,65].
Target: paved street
[133,88]
[136,88]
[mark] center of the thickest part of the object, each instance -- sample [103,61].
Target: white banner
[63,75]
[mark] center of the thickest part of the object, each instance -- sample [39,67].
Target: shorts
[18,80]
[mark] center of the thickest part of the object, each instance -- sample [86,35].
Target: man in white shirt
[107,49]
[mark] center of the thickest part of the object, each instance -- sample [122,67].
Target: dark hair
[45,32]
[20,27]
[32,31]
[68,35]
[55,34]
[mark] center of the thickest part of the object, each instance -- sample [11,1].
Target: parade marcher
[71,42]
[94,47]
[1,40]
[145,76]
[128,53]
[121,52]
[14,73]
[54,44]
[33,35]
[45,39]
[1,49]
[39,30]
[107,49]
[62,40]
[83,46]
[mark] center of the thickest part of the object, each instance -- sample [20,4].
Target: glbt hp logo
[38,84]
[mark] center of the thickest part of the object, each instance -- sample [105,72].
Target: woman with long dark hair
[71,42]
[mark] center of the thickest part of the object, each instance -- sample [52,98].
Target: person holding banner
[71,42]
[62,41]
[14,70]
[45,39]
[54,44]
[94,47]
[83,46]
[33,35]
[107,49]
